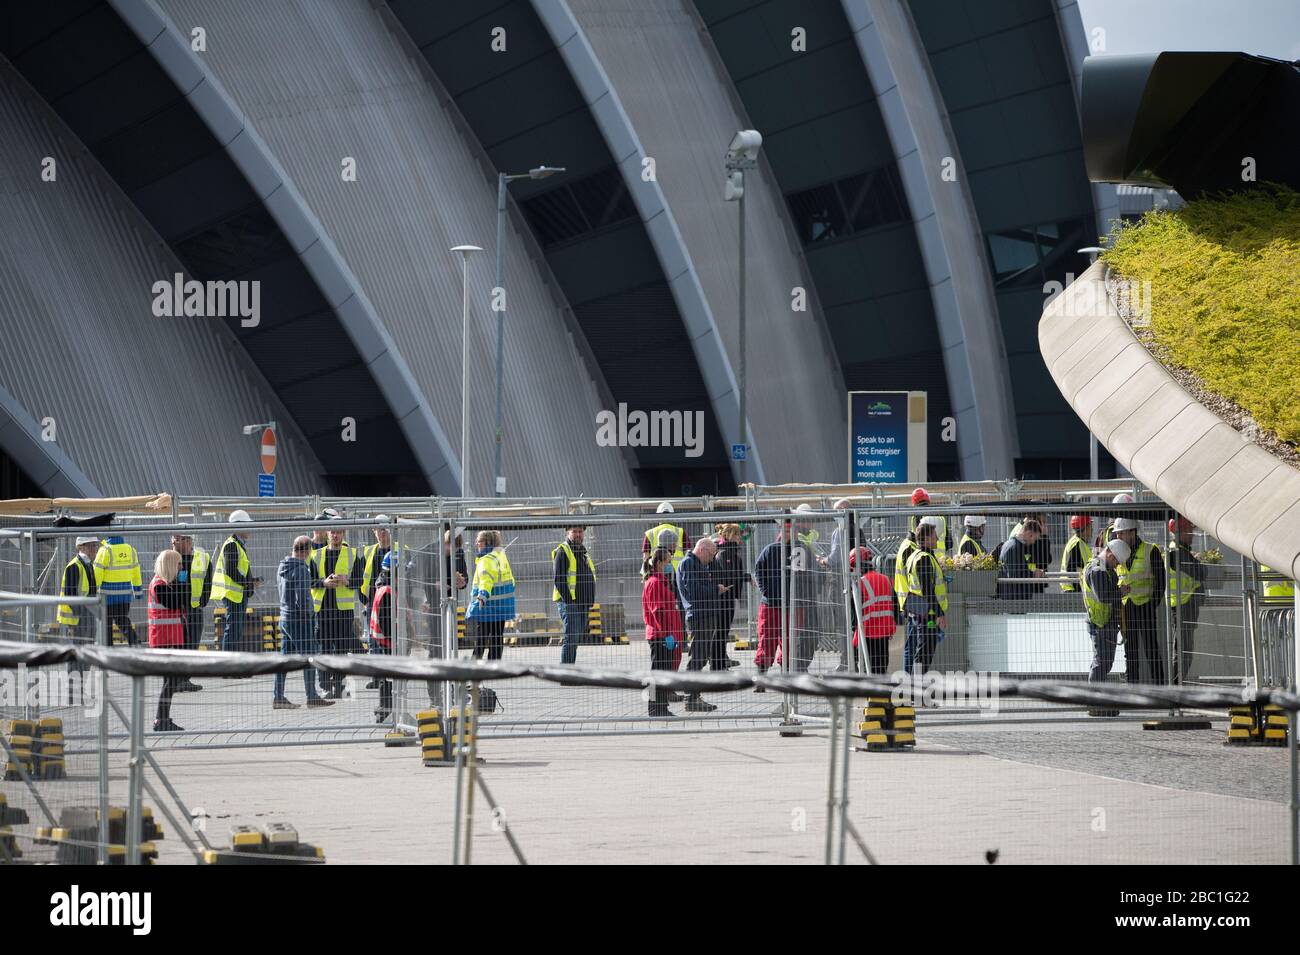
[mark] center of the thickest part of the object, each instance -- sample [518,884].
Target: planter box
[974,583]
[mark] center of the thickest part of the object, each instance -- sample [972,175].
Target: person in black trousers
[729,571]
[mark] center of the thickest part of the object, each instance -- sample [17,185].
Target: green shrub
[1225,296]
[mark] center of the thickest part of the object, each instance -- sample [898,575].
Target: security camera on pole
[742,154]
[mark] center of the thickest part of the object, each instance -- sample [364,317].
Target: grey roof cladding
[523,108]
[1005,79]
[822,126]
[139,404]
[679,103]
[325,82]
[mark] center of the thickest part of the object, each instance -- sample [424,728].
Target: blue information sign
[878,437]
[266,485]
[738,452]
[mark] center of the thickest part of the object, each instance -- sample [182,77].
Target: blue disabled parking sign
[738,452]
[266,485]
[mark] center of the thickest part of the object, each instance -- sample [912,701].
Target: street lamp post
[465,252]
[503,180]
[741,155]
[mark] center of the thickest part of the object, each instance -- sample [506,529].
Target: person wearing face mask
[492,596]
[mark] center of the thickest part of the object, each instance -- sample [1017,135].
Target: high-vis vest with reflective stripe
[1098,612]
[119,571]
[940,541]
[1278,588]
[877,607]
[345,598]
[376,632]
[1075,542]
[904,554]
[227,588]
[967,539]
[914,577]
[198,573]
[372,566]
[670,536]
[166,627]
[1182,586]
[1029,560]
[572,559]
[1137,574]
[70,616]
[495,582]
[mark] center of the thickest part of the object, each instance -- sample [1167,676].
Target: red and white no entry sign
[268,451]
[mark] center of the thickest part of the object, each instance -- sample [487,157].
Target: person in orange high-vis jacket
[876,612]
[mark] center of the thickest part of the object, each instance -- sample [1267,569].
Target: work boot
[694,704]
[189,686]
[166,726]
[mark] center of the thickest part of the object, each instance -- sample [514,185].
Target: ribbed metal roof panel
[140,403]
[677,101]
[324,81]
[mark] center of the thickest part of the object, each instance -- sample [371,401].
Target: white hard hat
[382,518]
[331,513]
[804,507]
[929,522]
[239,515]
[1125,524]
[87,540]
[1124,498]
[974,520]
[664,508]
[1120,550]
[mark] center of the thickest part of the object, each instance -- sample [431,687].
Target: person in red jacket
[169,601]
[876,610]
[665,630]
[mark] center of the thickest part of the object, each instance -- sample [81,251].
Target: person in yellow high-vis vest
[1186,580]
[81,578]
[336,572]
[972,541]
[195,574]
[120,583]
[667,535]
[233,583]
[926,603]
[1077,551]
[492,596]
[943,537]
[1103,601]
[1144,573]
[574,589]
[1278,589]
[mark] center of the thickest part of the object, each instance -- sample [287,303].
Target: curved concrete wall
[325,81]
[666,236]
[140,404]
[966,311]
[234,130]
[1190,457]
[677,101]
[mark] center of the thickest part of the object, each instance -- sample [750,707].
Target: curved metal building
[921,188]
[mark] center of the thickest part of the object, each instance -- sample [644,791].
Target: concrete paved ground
[756,798]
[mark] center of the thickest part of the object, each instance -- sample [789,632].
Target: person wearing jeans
[297,621]
[574,579]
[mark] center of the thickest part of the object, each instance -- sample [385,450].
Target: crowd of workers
[691,589]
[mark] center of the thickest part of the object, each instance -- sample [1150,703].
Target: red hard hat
[1180,524]
[1079,520]
[920,495]
[860,555]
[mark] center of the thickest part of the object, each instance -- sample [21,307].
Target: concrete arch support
[975,360]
